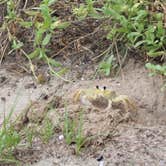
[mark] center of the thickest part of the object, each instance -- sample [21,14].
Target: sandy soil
[139,143]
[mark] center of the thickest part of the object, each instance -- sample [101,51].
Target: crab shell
[97,98]
[104,99]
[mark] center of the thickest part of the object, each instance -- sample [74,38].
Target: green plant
[9,137]
[135,24]
[85,10]
[47,130]
[44,29]
[11,10]
[156,69]
[73,132]
[107,65]
[79,138]
[68,129]
[42,24]
[30,135]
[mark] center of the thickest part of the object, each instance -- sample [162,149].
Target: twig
[82,37]
[3,83]
[3,51]
[30,62]
[25,5]
[119,60]
[55,73]
[103,53]
[87,49]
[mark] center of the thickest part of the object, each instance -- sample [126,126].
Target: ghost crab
[103,98]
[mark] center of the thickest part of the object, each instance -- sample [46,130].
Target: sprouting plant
[68,129]
[30,135]
[9,137]
[80,138]
[73,132]
[47,130]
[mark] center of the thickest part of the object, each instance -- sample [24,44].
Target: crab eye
[97,87]
[104,87]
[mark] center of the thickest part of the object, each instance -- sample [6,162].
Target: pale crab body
[103,99]
[94,97]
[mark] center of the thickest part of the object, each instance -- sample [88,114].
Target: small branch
[119,60]
[25,5]
[72,42]
[103,53]
[3,50]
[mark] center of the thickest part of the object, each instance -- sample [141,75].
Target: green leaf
[153,54]
[42,53]
[26,24]
[141,15]
[160,30]
[38,36]
[54,62]
[17,44]
[63,25]
[156,68]
[31,12]
[45,10]
[158,16]
[133,36]
[139,26]
[46,40]
[59,25]
[150,34]
[34,54]
[81,12]
[135,7]
[51,2]
[139,43]
[106,66]
[62,71]
[112,33]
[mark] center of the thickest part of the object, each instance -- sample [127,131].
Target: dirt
[132,143]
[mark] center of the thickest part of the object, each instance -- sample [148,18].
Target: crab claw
[123,102]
